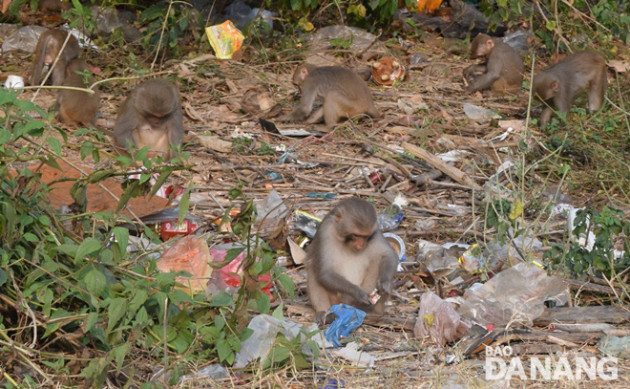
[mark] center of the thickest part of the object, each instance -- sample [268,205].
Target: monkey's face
[546,88]
[357,242]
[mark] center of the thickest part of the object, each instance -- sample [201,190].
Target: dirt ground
[425,109]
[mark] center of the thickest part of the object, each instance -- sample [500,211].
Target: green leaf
[95,281]
[138,300]
[119,353]
[122,239]
[222,299]
[55,145]
[116,310]
[88,246]
[263,304]
[287,284]
[90,321]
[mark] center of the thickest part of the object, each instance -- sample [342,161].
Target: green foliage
[97,306]
[167,25]
[242,144]
[601,20]
[609,226]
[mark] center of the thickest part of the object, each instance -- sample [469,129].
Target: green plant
[68,281]
[608,226]
[167,24]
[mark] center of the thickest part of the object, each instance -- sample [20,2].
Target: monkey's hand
[361,296]
[384,286]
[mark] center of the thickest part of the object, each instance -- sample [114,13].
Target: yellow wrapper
[225,39]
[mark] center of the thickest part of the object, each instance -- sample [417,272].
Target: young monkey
[343,92]
[76,107]
[48,48]
[348,259]
[559,84]
[150,116]
[503,70]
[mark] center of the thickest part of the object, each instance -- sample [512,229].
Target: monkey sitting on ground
[503,70]
[559,84]
[76,107]
[348,259]
[48,48]
[343,92]
[150,116]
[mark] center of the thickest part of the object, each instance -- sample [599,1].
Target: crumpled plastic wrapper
[516,295]
[438,320]
[348,319]
[225,39]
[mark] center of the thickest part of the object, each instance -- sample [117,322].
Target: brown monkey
[343,92]
[48,47]
[53,6]
[503,70]
[348,259]
[75,107]
[150,116]
[559,84]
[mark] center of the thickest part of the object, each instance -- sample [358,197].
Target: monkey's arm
[126,123]
[304,108]
[334,282]
[487,79]
[387,269]
[473,71]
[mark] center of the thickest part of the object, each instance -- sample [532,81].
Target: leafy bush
[68,283]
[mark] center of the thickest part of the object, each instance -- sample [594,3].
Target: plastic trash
[615,346]
[242,14]
[477,113]
[271,211]
[14,81]
[265,329]
[307,223]
[228,278]
[189,254]
[334,384]
[392,215]
[348,319]
[438,320]
[225,39]
[23,39]
[516,294]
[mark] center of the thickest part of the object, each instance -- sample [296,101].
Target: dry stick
[52,66]
[159,47]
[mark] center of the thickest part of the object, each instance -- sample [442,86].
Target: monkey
[347,259]
[48,47]
[53,6]
[150,116]
[343,92]
[75,107]
[503,70]
[559,84]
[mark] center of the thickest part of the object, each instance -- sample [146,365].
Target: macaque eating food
[348,259]
[48,48]
[77,107]
[503,70]
[150,116]
[343,92]
[559,84]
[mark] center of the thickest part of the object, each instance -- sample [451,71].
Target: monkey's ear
[303,72]
[490,43]
[338,214]
[555,85]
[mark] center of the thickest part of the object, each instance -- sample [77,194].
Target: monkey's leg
[316,117]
